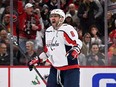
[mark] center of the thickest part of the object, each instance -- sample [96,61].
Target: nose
[53,17]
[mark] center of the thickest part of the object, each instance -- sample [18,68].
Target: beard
[54,23]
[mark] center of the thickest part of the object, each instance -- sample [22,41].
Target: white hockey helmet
[59,12]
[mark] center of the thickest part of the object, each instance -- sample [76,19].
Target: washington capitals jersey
[59,42]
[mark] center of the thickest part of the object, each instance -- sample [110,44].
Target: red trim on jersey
[69,40]
[47,61]
[68,67]
[72,33]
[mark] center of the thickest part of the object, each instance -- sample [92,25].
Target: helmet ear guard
[61,20]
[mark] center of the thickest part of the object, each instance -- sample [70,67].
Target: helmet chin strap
[59,22]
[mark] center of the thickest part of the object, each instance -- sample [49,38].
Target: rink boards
[89,77]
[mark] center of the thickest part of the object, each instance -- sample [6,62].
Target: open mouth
[53,21]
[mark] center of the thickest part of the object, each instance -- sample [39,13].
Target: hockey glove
[73,53]
[33,62]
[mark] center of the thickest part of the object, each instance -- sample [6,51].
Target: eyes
[54,15]
[95,48]
[87,37]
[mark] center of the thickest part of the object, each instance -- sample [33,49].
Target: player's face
[54,19]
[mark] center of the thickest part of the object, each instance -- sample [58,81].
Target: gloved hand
[73,53]
[33,62]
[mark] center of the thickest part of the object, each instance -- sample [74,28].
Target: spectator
[77,3]
[1,3]
[95,35]
[98,12]
[82,59]
[86,14]
[31,1]
[79,31]
[5,39]
[37,5]
[52,4]
[29,24]
[95,58]
[86,44]
[111,21]
[64,5]
[6,23]
[3,36]
[6,9]
[40,3]
[112,49]
[30,53]
[111,5]
[45,16]
[70,21]
[39,34]
[4,55]
[72,10]
[111,35]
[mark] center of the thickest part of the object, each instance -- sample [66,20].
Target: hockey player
[62,50]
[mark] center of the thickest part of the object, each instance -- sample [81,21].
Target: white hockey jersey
[57,42]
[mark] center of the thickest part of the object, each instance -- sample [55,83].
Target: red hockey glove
[73,53]
[32,63]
